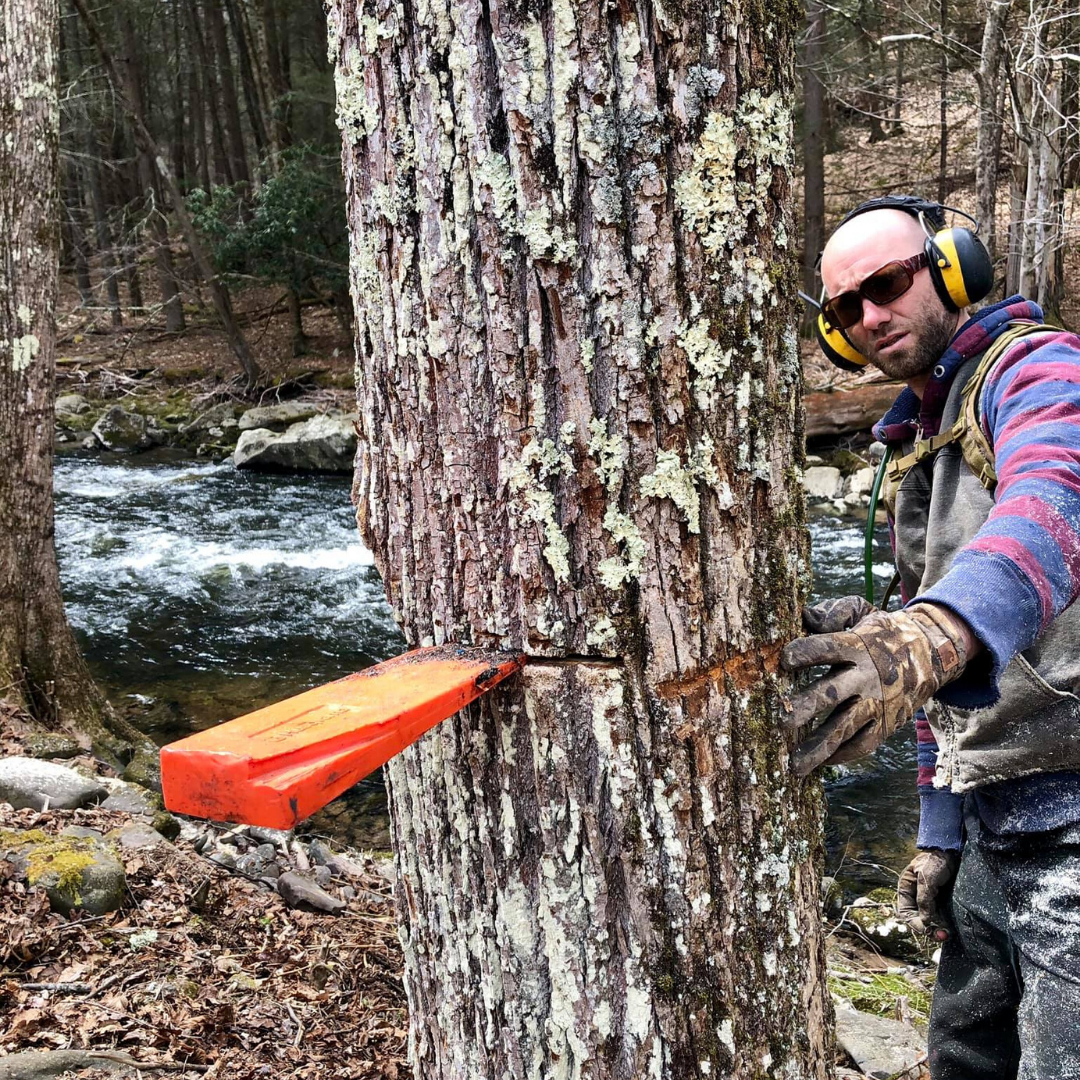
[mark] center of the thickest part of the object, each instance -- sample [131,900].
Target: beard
[928,338]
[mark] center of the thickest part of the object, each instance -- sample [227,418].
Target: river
[198,593]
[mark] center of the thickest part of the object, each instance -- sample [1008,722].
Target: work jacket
[1033,726]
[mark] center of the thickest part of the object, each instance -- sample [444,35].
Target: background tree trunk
[40,664]
[579,408]
[813,153]
[988,133]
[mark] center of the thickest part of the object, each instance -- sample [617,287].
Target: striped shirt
[1024,560]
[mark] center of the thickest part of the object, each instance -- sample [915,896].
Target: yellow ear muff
[960,267]
[837,348]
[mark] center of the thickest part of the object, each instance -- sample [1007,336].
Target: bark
[988,134]
[145,142]
[211,96]
[75,239]
[579,413]
[296,322]
[898,99]
[40,665]
[813,152]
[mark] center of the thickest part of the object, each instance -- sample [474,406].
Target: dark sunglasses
[883,286]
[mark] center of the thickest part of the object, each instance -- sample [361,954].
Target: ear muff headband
[837,348]
[959,265]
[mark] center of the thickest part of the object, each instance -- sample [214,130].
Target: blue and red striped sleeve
[1026,557]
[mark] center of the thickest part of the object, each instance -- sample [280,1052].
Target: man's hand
[882,670]
[832,616]
[923,887]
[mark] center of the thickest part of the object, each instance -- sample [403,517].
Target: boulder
[121,430]
[880,1048]
[46,1064]
[26,782]
[861,482]
[277,417]
[137,835]
[72,403]
[323,444]
[822,482]
[218,416]
[75,871]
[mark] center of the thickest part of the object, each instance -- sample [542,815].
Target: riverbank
[238,952]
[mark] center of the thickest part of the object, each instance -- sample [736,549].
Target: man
[987,642]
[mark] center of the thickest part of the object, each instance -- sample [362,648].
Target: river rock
[861,482]
[880,1048]
[26,782]
[75,871]
[50,744]
[132,799]
[277,417]
[72,403]
[299,892]
[875,916]
[324,444]
[136,836]
[121,430]
[144,769]
[823,482]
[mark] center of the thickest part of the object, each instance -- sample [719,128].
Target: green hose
[871,514]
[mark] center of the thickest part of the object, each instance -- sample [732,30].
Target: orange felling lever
[278,765]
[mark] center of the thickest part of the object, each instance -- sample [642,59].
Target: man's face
[907,336]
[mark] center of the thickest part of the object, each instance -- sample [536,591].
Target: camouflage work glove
[881,671]
[923,889]
[832,616]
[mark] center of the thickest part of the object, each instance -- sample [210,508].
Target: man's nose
[874,315]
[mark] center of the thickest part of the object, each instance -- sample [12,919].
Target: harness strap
[967,430]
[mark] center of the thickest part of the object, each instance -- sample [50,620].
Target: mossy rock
[848,462]
[145,769]
[876,918]
[76,872]
[164,823]
[51,744]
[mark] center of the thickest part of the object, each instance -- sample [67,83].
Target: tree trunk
[150,189]
[296,322]
[252,100]
[943,106]
[228,102]
[579,402]
[988,135]
[280,106]
[211,96]
[40,665]
[102,231]
[813,153]
[145,142]
[72,211]
[898,99]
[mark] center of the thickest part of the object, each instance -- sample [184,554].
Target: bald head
[865,243]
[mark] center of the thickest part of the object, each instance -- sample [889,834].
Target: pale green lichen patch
[23,351]
[718,206]
[356,116]
[25,316]
[602,633]
[679,483]
[494,174]
[545,240]
[709,360]
[539,461]
[611,453]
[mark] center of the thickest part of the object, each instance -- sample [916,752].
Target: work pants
[1007,1000]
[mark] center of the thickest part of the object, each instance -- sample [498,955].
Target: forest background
[972,103]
